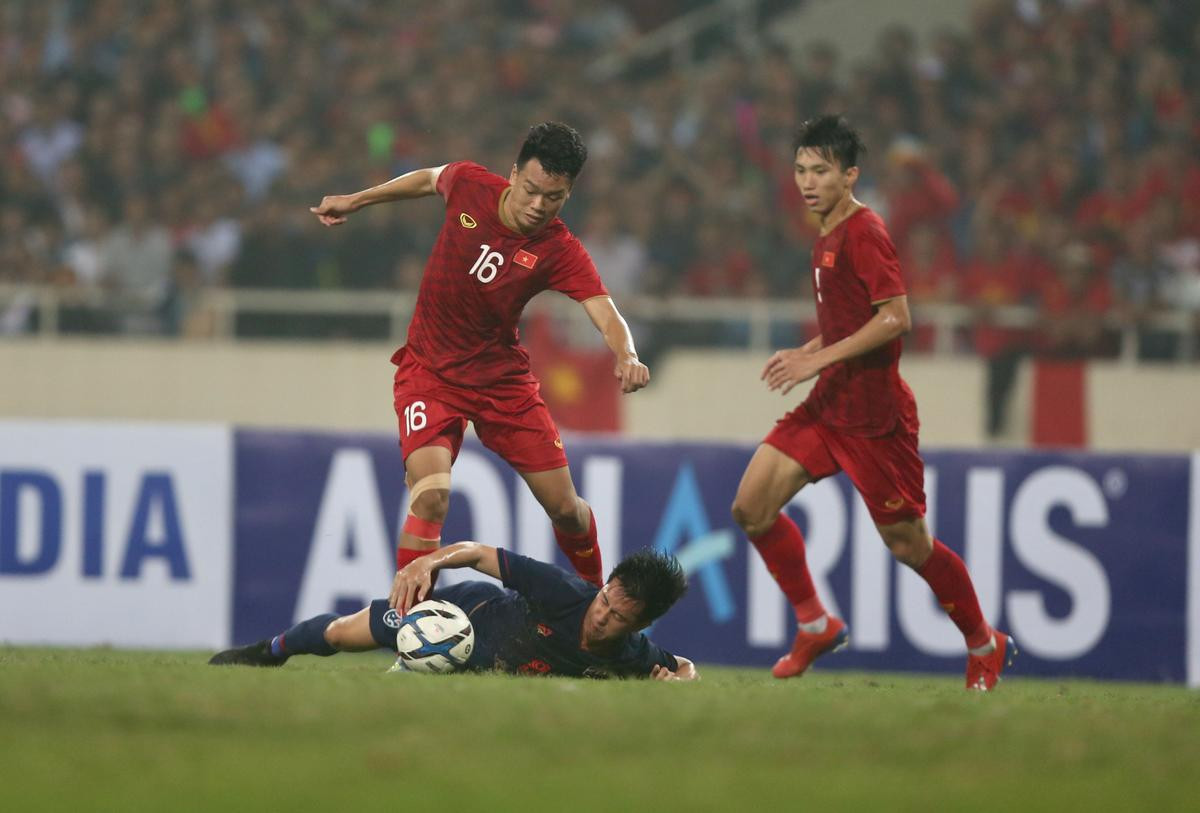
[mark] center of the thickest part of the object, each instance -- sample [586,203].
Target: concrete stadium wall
[282,385]
[698,395]
[695,395]
[1148,407]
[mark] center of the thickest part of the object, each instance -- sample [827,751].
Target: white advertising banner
[116,533]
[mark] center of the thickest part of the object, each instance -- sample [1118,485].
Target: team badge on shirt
[523,257]
[467,221]
[827,259]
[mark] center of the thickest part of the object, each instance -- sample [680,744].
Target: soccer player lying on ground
[547,622]
[860,417]
[501,243]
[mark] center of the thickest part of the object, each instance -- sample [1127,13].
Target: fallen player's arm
[686,671]
[419,183]
[412,584]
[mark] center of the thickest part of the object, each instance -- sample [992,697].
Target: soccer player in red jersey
[501,243]
[860,417]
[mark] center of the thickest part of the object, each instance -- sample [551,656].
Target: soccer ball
[434,637]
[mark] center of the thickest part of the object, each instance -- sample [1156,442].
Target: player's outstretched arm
[612,326]
[334,209]
[787,368]
[686,671]
[412,584]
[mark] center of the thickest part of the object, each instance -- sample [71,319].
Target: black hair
[653,578]
[832,137]
[557,146]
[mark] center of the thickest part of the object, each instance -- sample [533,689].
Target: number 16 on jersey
[487,265]
[414,417]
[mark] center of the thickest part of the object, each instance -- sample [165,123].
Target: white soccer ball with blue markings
[435,637]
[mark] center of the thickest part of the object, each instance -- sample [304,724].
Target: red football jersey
[478,278]
[853,266]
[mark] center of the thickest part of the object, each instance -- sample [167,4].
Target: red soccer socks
[583,551]
[782,549]
[947,576]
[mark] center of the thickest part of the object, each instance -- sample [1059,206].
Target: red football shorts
[511,419]
[887,470]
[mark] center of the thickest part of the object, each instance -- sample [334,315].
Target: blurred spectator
[671,243]
[619,256]
[137,257]
[1141,282]
[214,240]
[185,312]
[262,158]
[931,278]
[83,257]
[918,195]
[723,265]
[1074,300]
[1057,124]
[818,83]
[52,136]
[995,278]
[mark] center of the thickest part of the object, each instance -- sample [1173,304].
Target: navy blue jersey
[534,627]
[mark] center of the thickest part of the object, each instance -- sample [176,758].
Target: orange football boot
[810,646]
[983,671]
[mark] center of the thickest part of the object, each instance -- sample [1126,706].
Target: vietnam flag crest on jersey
[524,258]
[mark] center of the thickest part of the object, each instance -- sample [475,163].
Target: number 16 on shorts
[414,417]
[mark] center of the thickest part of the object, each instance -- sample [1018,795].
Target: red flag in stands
[577,385]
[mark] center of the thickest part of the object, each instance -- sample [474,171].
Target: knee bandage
[423,528]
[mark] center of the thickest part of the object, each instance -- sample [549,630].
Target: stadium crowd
[1047,156]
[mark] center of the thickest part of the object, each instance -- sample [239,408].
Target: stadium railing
[754,324]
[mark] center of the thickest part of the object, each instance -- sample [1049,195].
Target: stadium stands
[158,152]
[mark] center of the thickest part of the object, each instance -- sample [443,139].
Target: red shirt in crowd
[990,284]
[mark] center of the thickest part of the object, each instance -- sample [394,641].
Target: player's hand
[633,374]
[411,585]
[660,672]
[333,209]
[787,368]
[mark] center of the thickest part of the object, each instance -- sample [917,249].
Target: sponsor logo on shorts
[467,221]
[892,505]
[558,443]
[392,619]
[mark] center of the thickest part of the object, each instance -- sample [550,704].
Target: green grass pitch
[112,730]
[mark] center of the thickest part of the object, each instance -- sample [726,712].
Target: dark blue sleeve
[647,654]
[541,582]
